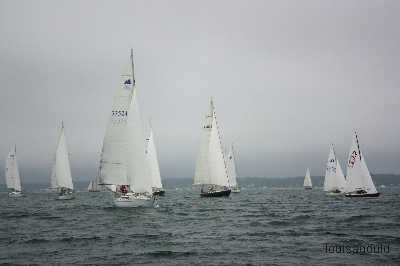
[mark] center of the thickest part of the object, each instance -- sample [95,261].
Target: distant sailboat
[359,180]
[334,182]
[232,173]
[61,171]
[151,156]
[123,166]
[211,169]
[307,180]
[13,180]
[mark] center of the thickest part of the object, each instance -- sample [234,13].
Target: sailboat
[334,182]
[151,156]
[211,170]
[232,173]
[61,171]
[307,180]
[359,180]
[123,166]
[13,180]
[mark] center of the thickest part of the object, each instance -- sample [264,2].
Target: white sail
[151,155]
[62,166]
[13,180]
[211,165]
[358,176]
[307,179]
[232,173]
[113,157]
[137,167]
[53,181]
[334,178]
[90,186]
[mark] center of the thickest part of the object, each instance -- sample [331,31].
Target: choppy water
[257,226]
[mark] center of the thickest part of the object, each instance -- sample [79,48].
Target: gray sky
[288,78]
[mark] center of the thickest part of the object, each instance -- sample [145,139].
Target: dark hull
[362,195]
[222,193]
[307,188]
[159,193]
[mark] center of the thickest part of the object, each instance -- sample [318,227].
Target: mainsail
[13,180]
[358,176]
[307,179]
[62,169]
[232,173]
[334,178]
[211,166]
[123,159]
[151,154]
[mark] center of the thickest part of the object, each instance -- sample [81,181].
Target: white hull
[15,194]
[132,201]
[235,190]
[66,197]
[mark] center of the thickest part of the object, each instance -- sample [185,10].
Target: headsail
[151,155]
[13,180]
[232,173]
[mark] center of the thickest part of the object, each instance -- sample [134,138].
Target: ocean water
[259,226]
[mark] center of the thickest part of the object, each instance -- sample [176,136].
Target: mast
[133,69]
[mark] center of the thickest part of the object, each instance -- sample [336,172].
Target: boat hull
[65,197]
[132,201]
[307,188]
[15,194]
[159,193]
[221,193]
[366,195]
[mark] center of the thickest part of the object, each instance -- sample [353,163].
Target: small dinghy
[13,180]
[307,184]
[334,182]
[232,172]
[61,171]
[124,167]
[154,168]
[211,168]
[359,180]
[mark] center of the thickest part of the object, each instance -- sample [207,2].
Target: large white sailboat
[123,166]
[13,180]
[359,181]
[61,170]
[154,168]
[334,182]
[232,172]
[211,169]
[307,184]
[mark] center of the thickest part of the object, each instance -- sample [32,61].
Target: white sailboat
[123,165]
[61,171]
[359,180]
[151,156]
[334,182]
[232,173]
[211,169]
[307,180]
[13,180]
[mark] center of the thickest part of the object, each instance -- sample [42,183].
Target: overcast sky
[288,78]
